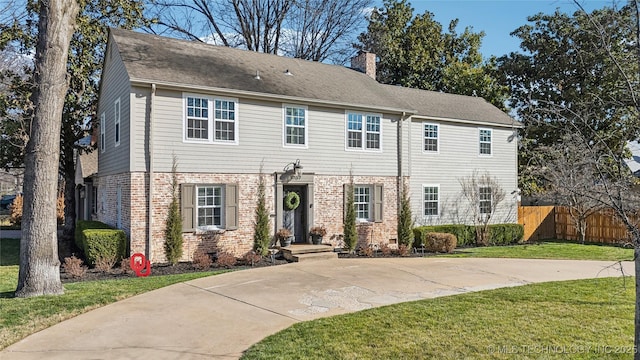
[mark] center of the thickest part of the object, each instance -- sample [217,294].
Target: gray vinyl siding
[458,157]
[140,112]
[115,84]
[260,139]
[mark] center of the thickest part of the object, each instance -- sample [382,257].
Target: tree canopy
[565,81]
[415,51]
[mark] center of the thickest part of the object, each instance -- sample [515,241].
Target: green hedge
[105,243]
[465,234]
[82,225]
[97,239]
[505,234]
[499,234]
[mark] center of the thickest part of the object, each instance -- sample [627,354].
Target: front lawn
[549,250]
[585,319]
[22,317]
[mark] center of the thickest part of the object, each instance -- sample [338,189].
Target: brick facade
[327,210]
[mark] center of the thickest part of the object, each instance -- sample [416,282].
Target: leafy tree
[405,219]
[565,76]
[261,233]
[84,66]
[173,230]
[595,97]
[349,225]
[39,272]
[414,52]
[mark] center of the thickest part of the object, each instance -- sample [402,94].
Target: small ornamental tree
[350,231]
[173,230]
[405,219]
[261,236]
[16,211]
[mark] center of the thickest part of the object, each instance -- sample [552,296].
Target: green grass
[549,250]
[22,317]
[586,319]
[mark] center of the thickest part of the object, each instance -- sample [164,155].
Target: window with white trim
[225,120]
[485,141]
[431,196]
[197,118]
[210,206]
[211,120]
[295,125]
[116,121]
[484,195]
[102,132]
[364,131]
[431,137]
[362,202]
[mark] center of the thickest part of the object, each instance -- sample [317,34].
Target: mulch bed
[162,269]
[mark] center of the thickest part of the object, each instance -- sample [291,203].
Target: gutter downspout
[148,251]
[399,186]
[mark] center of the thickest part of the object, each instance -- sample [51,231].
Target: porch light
[294,168]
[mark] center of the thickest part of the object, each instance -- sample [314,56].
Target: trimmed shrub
[505,234]
[251,258]
[82,225]
[465,234]
[440,242]
[104,243]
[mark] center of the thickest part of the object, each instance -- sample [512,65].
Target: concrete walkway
[219,317]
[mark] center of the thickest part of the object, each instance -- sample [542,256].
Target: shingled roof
[154,59]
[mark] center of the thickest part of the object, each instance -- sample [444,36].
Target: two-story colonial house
[226,116]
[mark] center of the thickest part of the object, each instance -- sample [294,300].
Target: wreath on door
[292,200]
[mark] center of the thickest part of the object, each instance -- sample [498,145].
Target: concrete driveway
[219,317]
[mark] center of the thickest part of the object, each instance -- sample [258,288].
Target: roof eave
[267,96]
[515,124]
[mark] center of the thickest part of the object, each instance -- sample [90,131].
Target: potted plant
[284,235]
[317,232]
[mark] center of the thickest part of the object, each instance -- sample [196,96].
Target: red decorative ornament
[140,265]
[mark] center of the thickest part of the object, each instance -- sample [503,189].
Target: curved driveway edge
[219,317]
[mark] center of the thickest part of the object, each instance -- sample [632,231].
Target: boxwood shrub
[465,234]
[440,242]
[99,240]
[104,243]
[499,234]
[82,225]
[505,234]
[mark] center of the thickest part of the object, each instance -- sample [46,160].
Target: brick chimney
[365,62]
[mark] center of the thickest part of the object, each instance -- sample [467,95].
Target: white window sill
[209,230]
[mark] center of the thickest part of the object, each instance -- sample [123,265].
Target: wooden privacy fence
[555,222]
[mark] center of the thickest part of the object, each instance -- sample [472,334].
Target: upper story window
[431,200]
[102,132]
[197,118]
[431,132]
[116,120]
[295,126]
[225,120]
[485,198]
[364,131]
[485,141]
[209,119]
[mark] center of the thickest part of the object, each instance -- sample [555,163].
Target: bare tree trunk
[39,265]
